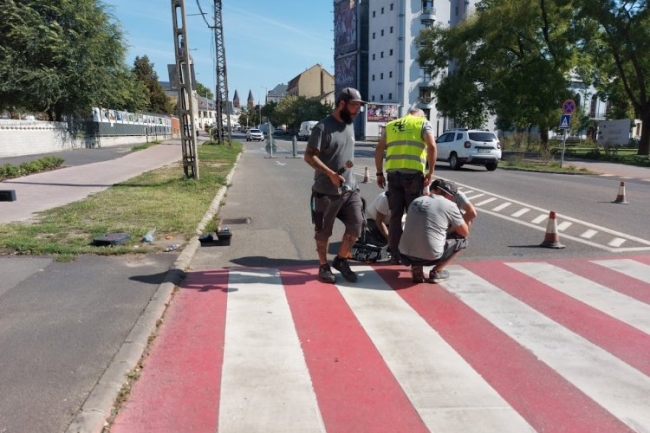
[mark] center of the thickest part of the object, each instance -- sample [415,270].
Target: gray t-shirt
[335,143]
[427,221]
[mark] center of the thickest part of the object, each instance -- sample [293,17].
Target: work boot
[343,267]
[417,274]
[325,274]
[438,276]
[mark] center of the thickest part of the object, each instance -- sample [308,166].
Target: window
[390,53]
[381,76]
[373,14]
[373,77]
[373,57]
[391,6]
[381,97]
[382,55]
[390,74]
[390,96]
[373,35]
[382,32]
[391,29]
[382,11]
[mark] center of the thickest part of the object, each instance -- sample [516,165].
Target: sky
[267,42]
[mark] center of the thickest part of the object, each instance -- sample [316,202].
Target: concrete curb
[97,409]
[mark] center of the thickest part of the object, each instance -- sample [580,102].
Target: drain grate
[233,221]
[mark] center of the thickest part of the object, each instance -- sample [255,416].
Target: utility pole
[221,95]
[185,99]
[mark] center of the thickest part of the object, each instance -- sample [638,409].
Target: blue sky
[267,42]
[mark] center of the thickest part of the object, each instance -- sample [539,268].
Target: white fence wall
[24,137]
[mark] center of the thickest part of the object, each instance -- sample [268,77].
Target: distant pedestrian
[411,155]
[330,152]
[425,241]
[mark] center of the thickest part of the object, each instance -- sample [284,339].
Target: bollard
[294,145]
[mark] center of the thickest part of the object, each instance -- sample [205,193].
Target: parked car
[254,134]
[469,146]
[278,131]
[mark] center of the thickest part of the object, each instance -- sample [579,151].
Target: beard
[346,116]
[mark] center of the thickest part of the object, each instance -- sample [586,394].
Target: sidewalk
[55,188]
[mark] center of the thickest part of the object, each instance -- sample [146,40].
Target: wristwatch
[381,173]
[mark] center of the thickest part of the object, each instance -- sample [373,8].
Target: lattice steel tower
[221,94]
[185,97]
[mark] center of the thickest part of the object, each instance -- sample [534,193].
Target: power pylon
[185,98]
[221,95]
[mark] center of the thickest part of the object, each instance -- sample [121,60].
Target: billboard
[381,112]
[345,71]
[345,26]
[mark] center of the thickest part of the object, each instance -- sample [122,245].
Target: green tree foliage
[62,57]
[204,91]
[517,71]
[616,38]
[158,101]
[293,110]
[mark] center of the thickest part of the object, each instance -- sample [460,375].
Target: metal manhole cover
[236,221]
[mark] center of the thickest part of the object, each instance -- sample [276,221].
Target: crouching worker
[425,241]
[377,220]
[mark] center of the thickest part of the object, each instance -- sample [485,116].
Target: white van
[305,129]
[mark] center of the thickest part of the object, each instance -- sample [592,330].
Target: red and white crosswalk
[502,346]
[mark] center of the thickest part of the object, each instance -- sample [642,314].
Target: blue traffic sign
[569,106]
[565,121]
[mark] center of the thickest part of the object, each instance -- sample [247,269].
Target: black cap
[349,94]
[448,187]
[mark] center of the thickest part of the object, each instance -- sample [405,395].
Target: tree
[204,91]
[518,72]
[293,110]
[62,58]
[158,101]
[616,37]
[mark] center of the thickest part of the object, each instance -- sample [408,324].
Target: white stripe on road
[564,225]
[610,302]
[540,218]
[262,358]
[502,206]
[628,267]
[589,234]
[619,388]
[458,400]
[616,242]
[489,200]
[520,212]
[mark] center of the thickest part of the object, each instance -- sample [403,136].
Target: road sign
[565,121]
[568,107]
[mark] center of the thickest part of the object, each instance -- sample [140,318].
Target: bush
[9,171]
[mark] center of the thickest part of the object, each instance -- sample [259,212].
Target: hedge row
[9,171]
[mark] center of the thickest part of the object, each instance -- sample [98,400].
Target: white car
[469,146]
[254,135]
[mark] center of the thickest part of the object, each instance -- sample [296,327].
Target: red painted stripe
[612,279]
[546,400]
[180,384]
[643,259]
[618,338]
[356,391]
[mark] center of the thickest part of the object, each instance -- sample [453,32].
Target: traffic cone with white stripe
[365,176]
[552,238]
[620,198]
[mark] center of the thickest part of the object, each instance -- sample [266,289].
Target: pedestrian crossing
[502,346]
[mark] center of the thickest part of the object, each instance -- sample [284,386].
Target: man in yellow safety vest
[410,144]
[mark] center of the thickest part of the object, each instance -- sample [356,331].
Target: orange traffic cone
[620,198]
[551,239]
[365,176]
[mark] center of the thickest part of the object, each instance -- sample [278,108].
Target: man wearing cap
[410,144]
[330,152]
[425,241]
[466,207]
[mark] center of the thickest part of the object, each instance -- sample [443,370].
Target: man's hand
[381,181]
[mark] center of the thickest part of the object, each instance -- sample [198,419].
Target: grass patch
[542,165]
[163,199]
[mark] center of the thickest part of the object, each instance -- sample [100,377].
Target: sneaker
[325,274]
[418,274]
[342,266]
[438,276]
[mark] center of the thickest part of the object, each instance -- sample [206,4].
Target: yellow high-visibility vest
[404,145]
